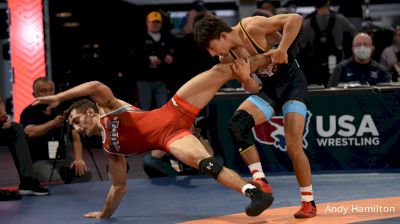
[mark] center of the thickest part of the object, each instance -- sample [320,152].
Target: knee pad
[240,129]
[211,166]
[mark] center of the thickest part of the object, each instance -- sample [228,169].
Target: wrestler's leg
[199,90]
[189,150]
[294,127]
[295,113]
[250,155]
[244,119]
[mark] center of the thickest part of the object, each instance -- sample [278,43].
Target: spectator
[198,9]
[390,57]
[199,60]
[43,127]
[360,69]
[12,134]
[157,55]
[266,8]
[323,36]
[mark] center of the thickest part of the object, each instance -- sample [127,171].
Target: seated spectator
[390,57]
[360,69]
[12,134]
[44,130]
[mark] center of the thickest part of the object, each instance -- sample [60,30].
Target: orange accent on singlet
[130,130]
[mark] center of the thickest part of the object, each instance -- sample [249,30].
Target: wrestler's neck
[98,127]
[237,37]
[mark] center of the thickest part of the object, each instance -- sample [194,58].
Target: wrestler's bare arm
[78,164]
[117,174]
[289,24]
[260,28]
[99,92]
[248,83]
[243,67]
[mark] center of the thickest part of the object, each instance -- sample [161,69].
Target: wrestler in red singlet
[129,130]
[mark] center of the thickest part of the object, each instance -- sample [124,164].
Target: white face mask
[362,52]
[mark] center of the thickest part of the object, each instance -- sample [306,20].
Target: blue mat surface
[179,199]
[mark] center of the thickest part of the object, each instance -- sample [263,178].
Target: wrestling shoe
[259,201]
[307,210]
[262,184]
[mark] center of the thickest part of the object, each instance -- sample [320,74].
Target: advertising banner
[344,130]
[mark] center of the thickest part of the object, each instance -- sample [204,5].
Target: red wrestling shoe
[307,210]
[262,184]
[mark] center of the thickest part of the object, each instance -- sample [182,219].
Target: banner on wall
[27,50]
[343,131]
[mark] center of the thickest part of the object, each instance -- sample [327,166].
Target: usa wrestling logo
[272,132]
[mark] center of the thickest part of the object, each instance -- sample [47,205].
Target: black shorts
[288,84]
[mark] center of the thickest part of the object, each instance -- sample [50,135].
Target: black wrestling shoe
[259,201]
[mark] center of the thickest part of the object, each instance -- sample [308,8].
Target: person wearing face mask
[361,68]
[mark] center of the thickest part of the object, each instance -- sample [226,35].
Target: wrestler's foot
[262,184]
[259,201]
[307,210]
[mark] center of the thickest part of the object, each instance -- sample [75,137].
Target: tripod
[67,144]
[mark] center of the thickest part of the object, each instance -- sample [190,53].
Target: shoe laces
[251,193]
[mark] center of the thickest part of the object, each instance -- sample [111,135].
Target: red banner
[27,49]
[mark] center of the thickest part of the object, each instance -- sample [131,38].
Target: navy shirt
[39,146]
[349,71]
[149,48]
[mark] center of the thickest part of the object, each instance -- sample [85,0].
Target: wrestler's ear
[223,35]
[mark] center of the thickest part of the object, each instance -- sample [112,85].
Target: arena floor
[368,198]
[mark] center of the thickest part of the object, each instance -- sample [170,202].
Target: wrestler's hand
[241,69]
[80,167]
[96,215]
[278,56]
[52,101]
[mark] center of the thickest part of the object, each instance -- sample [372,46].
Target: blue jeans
[149,91]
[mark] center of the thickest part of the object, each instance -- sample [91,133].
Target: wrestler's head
[83,115]
[212,34]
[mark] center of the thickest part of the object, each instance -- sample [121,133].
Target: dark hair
[207,29]
[81,106]
[320,3]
